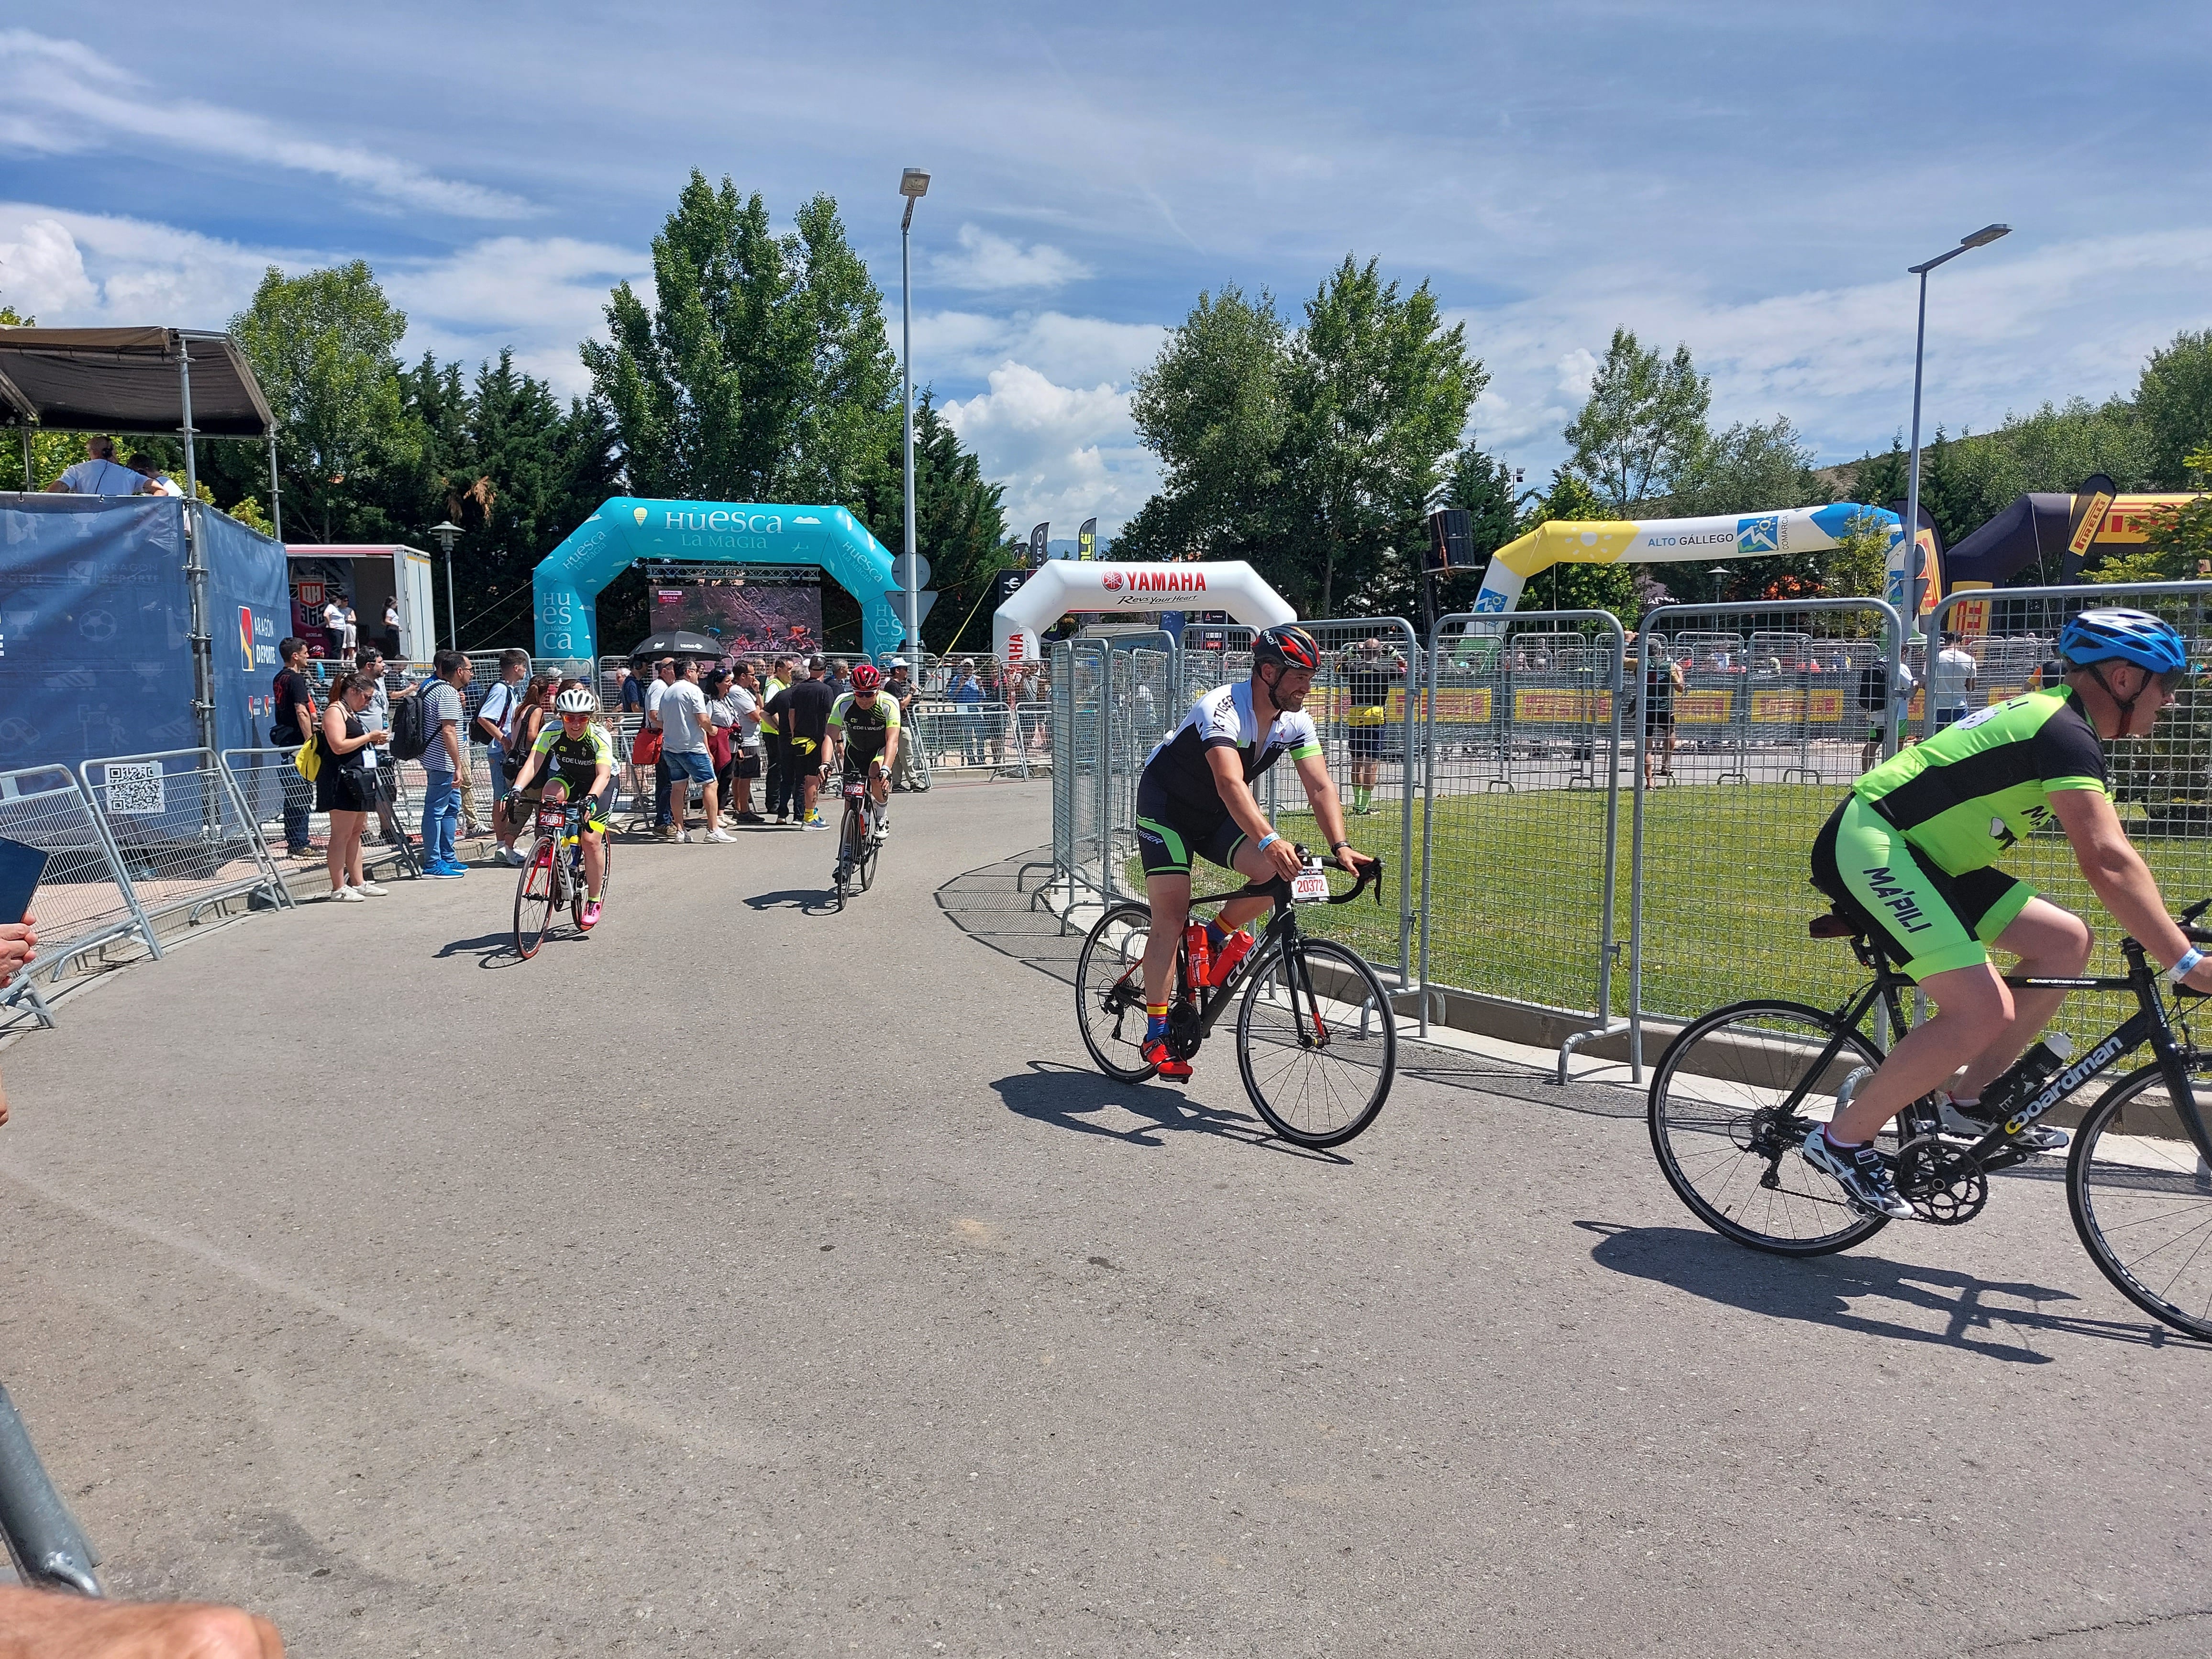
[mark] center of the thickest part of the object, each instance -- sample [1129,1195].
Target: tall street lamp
[913,185]
[447,533]
[1981,237]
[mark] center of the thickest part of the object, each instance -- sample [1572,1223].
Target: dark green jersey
[1968,793]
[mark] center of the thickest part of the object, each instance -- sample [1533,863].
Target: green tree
[1752,467]
[1483,486]
[1575,587]
[322,347]
[1378,393]
[2173,400]
[1213,406]
[1642,426]
[762,372]
[959,520]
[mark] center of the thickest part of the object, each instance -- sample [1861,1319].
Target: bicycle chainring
[1946,1183]
[1184,1033]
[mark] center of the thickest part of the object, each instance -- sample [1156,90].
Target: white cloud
[986,263]
[540,295]
[1074,350]
[84,269]
[1063,452]
[1577,370]
[61,96]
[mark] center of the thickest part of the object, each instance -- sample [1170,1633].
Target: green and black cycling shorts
[1169,833]
[1926,920]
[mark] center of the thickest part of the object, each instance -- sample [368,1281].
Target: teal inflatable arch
[567,583]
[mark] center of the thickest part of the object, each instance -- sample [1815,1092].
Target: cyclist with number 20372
[1195,798]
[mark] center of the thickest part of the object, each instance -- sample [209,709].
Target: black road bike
[859,845]
[1737,1091]
[1316,1041]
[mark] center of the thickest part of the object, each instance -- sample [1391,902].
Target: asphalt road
[753,1279]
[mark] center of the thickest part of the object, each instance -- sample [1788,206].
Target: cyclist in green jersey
[1912,852]
[579,751]
[863,738]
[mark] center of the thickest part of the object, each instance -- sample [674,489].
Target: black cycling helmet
[1288,644]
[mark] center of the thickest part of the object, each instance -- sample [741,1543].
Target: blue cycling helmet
[2135,636]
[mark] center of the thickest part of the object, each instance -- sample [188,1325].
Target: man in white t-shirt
[333,625]
[1950,677]
[98,474]
[744,698]
[684,757]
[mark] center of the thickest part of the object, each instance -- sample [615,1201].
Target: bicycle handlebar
[1280,887]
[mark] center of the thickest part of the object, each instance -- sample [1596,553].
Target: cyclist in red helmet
[1196,797]
[863,738]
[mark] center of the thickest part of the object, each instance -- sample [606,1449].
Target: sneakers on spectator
[664,832]
[444,871]
[750,818]
[371,888]
[814,820]
[345,895]
[719,835]
[683,835]
[783,817]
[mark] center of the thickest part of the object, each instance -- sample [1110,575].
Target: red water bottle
[1196,946]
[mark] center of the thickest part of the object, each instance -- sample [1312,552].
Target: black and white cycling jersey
[1177,767]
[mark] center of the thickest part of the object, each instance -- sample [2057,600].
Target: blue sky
[1751,178]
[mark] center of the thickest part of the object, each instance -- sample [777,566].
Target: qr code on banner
[134,788]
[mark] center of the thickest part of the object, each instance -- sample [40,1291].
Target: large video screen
[751,618]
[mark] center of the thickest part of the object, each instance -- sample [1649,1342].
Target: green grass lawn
[1516,894]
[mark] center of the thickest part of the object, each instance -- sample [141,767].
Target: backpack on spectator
[410,727]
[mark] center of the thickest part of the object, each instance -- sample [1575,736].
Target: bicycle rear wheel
[2142,1199]
[534,893]
[872,848]
[1733,1098]
[1317,1042]
[1110,991]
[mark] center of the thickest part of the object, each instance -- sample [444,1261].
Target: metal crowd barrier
[178,831]
[1768,735]
[83,900]
[1521,811]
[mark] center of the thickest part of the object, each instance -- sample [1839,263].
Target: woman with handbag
[345,784]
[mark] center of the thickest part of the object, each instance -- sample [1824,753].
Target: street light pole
[447,532]
[913,185]
[1981,237]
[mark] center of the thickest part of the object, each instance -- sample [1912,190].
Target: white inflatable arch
[1064,585]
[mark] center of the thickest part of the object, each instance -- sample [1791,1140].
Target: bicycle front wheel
[872,848]
[1733,1099]
[534,895]
[1110,991]
[2141,1197]
[1317,1042]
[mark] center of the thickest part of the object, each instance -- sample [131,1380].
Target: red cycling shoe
[1165,1065]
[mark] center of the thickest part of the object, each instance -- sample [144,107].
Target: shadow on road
[1073,1098]
[1823,1289]
[808,901]
[493,950]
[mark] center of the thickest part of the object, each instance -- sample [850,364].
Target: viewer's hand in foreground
[50,1625]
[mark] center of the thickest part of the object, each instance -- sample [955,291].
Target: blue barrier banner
[96,618]
[249,610]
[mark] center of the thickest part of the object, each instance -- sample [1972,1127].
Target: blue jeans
[441,816]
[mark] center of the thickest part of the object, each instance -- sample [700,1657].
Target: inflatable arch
[1060,585]
[566,582]
[2057,534]
[1675,541]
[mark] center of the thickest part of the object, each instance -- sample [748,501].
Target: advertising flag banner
[2091,503]
[1039,537]
[1086,539]
[1451,539]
